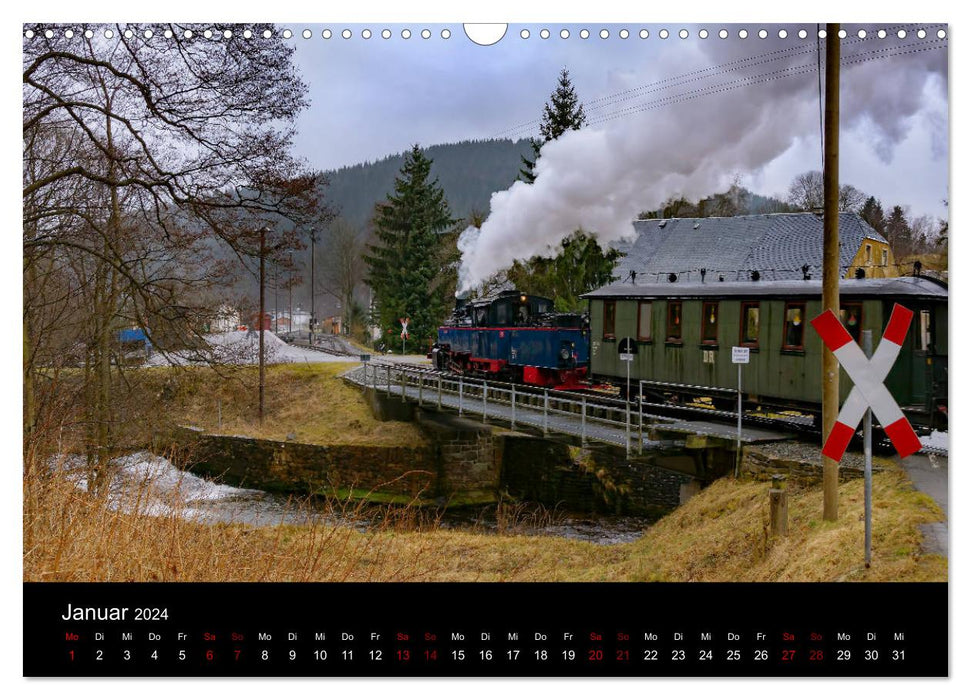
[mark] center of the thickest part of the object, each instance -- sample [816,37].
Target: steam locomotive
[515,337]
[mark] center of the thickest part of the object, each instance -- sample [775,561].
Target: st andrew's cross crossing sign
[868,390]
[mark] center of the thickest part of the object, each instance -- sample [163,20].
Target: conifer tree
[408,266]
[562,113]
[872,213]
[898,232]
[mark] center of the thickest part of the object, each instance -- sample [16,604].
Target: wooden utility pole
[262,315]
[831,264]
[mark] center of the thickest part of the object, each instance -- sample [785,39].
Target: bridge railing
[589,417]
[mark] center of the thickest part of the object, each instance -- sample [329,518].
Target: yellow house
[873,259]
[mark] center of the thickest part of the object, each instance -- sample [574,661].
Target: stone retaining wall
[382,473]
[760,465]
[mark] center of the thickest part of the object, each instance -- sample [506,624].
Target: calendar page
[540,349]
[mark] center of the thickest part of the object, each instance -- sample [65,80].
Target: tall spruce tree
[407,266]
[898,232]
[872,213]
[562,113]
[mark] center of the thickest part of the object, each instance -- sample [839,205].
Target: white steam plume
[600,177]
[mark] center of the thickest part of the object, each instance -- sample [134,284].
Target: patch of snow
[243,348]
[147,484]
[936,440]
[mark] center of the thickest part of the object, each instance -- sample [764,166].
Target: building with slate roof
[776,246]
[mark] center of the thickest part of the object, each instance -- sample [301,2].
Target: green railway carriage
[683,334]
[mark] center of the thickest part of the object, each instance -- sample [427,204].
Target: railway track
[802,426]
[327,344]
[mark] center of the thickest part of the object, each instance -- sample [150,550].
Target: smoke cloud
[741,107]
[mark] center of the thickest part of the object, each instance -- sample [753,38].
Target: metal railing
[601,419]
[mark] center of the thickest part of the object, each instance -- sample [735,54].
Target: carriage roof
[919,286]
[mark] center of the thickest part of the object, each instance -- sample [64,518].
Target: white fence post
[640,413]
[513,407]
[583,421]
[485,394]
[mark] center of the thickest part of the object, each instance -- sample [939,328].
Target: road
[929,474]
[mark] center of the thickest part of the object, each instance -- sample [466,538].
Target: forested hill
[469,172]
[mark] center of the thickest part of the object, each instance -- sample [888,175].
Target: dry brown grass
[723,535]
[71,535]
[720,535]
[307,401]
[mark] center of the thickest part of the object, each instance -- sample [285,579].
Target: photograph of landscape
[364,303]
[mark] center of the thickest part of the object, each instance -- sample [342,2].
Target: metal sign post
[867,463]
[627,348]
[869,396]
[404,332]
[740,356]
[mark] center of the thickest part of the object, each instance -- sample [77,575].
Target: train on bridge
[515,337]
[680,337]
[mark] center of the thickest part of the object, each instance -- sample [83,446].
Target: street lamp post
[313,256]
[276,298]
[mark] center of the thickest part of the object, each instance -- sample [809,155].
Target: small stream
[154,486]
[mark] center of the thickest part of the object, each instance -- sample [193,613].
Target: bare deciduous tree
[143,150]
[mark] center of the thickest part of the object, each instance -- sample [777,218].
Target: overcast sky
[374,97]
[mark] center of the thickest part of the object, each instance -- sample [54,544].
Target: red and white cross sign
[404,327]
[868,389]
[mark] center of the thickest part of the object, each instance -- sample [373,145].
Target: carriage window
[795,327]
[644,320]
[750,324]
[709,323]
[924,339]
[481,316]
[851,316]
[610,314]
[502,314]
[673,333]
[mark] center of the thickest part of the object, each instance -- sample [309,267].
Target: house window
[851,316]
[884,257]
[795,326]
[709,323]
[610,316]
[749,324]
[673,332]
[868,253]
[644,320]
